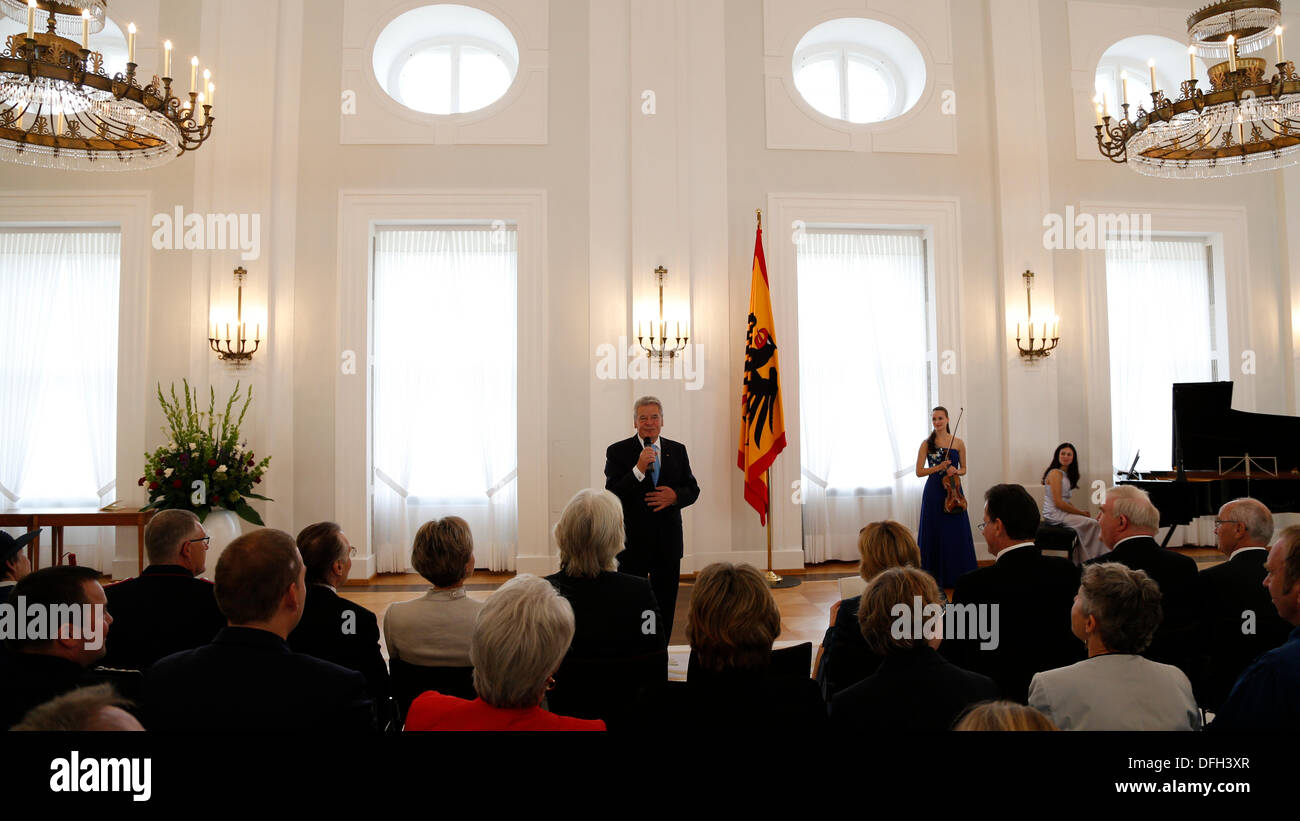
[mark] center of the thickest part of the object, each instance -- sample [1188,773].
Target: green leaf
[257,496]
[246,512]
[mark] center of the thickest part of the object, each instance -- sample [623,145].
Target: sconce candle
[194,74]
[167,59]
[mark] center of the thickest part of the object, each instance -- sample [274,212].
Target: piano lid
[1206,427]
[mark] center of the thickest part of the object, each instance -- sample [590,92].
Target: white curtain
[58,376]
[1155,290]
[445,388]
[863,392]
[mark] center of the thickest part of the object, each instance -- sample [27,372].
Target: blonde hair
[590,533]
[885,592]
[442,551]
[883,545]
[1004,716]
[733,618]
[520,638]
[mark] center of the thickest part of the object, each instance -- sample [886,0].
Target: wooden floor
[805,609]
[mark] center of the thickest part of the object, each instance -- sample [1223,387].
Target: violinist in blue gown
[947,549]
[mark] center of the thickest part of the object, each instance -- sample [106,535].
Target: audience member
[1030,593]
[1128,525]
[1264,698]
[435,629]
[732,623]
[522,634]
[333,628]
[915,689]
[1115,614]
[167,608]
[846,659]
[1003,716]
[616,613]
[65,625]
[86,709]
[14,564]
[1235,618]
[247,679]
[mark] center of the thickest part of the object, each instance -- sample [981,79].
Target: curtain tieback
[817,480]
[499,486]
[388,480]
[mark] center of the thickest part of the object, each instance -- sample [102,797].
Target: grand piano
[1210,444]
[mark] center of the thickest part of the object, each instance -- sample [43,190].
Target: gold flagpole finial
[758,212]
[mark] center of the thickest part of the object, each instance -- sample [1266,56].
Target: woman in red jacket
[520,638]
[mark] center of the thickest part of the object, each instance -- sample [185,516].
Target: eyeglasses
[206,541]
[1218,522]
[352,551]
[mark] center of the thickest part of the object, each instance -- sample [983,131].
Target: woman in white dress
[1060,479]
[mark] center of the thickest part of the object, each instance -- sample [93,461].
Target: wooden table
[57,518]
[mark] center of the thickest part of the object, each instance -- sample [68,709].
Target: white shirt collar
[1131,538]
[1004,551]
[1241,550]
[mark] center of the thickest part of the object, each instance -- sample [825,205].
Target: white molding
[940,218]
[359,212]
[130,210]
[519,117]
[1227,229]
[791,123]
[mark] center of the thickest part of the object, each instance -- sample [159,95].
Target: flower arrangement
[203,466]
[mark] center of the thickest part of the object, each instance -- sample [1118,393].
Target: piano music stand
[1246,462]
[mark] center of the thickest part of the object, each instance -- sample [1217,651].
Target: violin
[955,501]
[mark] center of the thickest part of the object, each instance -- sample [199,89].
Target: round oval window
[446,59]
[858,70]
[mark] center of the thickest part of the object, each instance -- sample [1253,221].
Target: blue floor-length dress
[947,549]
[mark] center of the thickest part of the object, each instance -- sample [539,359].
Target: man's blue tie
[654,473]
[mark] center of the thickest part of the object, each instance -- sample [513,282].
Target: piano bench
[1056,537]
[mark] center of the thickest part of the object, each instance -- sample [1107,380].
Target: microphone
[650,445]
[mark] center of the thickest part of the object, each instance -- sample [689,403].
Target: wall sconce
[235,349]
[661,346]
[1046,344]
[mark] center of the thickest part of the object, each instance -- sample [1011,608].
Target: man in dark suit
[1032,592]
[247,679]
[1128,526]
[1236,620]
[1263,699]
[652,478]
[38,666]
[14,564]
[333,628]
[167,608]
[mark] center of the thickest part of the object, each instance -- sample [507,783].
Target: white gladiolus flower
[221,469]
[167,472]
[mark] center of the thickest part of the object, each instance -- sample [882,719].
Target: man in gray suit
[1115,615]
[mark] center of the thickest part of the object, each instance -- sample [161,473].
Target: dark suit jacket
[733,701]
[1034,594]
[1223,594]
[1176,575]
[249,681]
[320,633]
[5,590]
[162,611]
[651,534]
[28,680]
[1264,699]
[846,658]
[917,690]
[609,612]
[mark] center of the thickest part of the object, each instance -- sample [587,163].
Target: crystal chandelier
[59,109]
[1246,121]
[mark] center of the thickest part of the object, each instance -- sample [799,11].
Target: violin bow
[952,437]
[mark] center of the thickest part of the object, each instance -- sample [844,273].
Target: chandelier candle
[1151,64]
[1232,53]
[167,59]
[1278,32]
[31,19]
[130,42]
[85,29]
[194,74]
[1123,83]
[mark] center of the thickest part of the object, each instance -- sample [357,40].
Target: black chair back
[605,688]
[410,680]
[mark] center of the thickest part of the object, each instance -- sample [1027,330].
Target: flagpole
[771,575]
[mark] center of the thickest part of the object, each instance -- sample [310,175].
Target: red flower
[158,472]
[153,485]
[212,463]
[185,457]
[258,480]
[141,482]
[250,463]
[250,458]
[176,482]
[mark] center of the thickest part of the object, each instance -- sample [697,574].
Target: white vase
[223,526]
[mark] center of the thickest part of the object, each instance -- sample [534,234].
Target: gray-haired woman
[1115,614]
[521,636]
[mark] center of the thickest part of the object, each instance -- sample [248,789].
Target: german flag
[762,422]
